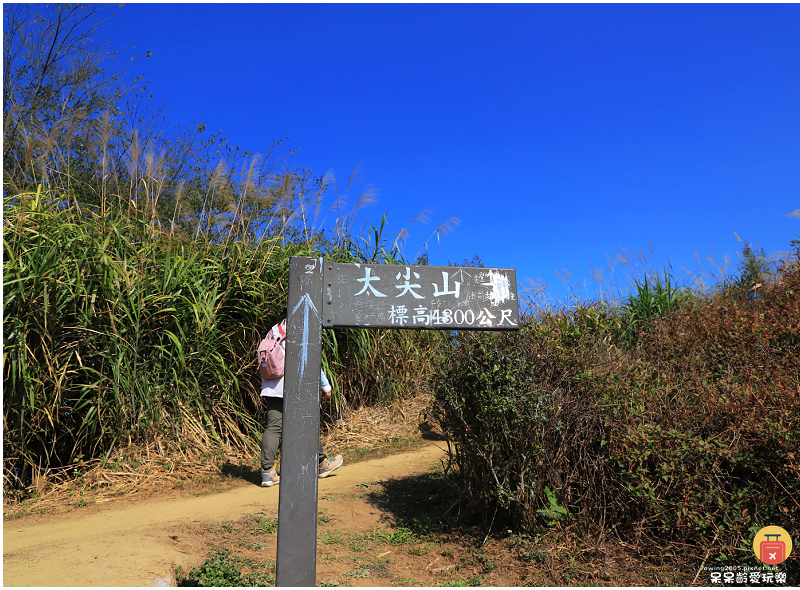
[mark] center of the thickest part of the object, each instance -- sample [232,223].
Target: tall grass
[143,262]
[117,332]
[112,335]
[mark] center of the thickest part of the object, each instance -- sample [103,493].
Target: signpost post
[334,295]
[297,502]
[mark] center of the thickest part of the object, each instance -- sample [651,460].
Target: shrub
[523,417]
[713,451]
[690,436]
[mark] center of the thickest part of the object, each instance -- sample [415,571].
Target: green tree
[77,122]
[56,90]
[753,271]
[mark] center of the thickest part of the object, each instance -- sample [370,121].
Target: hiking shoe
[270,478]
[328,466]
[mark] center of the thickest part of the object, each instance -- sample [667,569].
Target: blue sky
[558,134]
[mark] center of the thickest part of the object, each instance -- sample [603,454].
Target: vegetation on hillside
[671,417]
[116,333]
[143,263]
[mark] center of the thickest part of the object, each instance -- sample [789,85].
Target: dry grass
[197,464]
[372,428]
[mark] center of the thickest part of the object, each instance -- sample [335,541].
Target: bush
[523,417]
[114,335]
[713,451]
[654,298]
[690,436]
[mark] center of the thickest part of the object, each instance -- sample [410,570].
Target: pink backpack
[270,355]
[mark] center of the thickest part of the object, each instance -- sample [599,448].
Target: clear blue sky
[558,134]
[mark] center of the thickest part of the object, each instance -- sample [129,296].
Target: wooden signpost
[333,295]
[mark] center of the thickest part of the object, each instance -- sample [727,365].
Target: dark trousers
[271,439]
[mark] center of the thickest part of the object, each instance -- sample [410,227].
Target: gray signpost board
[419,297]
[334,295]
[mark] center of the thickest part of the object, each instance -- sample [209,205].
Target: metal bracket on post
[297,507]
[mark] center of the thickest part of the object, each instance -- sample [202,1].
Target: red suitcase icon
[773,552]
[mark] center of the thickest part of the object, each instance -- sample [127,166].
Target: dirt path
[135,544]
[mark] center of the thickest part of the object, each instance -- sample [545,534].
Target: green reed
[113,335]
[116,333]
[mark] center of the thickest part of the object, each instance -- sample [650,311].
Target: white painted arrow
[307,304]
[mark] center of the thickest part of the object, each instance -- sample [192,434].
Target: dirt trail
[117,544]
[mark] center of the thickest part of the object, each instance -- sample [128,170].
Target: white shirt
[274,387]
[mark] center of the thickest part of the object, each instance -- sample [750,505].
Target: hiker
[272,391]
